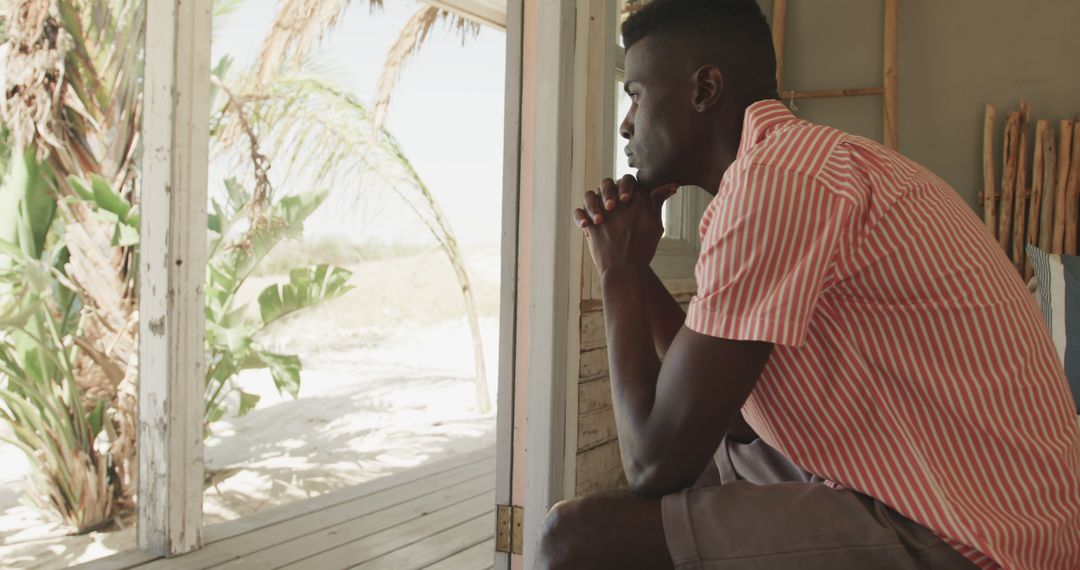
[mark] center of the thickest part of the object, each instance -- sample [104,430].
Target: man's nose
[626,128]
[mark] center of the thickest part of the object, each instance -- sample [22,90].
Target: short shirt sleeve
[768,244]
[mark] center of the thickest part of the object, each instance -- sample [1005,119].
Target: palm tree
[299,26]
[68,320]
[69,246]
[323,135]
[71,104]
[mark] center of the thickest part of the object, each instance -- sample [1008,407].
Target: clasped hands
[623,222]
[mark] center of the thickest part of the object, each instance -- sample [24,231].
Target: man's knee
[605,530]
[560,533]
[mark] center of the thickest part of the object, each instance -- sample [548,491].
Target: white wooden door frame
[565,53]
[487,12]
[546,264]
[508,291]
[174,195]
[172,265]
[550,249]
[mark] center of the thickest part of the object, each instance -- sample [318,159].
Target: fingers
[593,207]
[581,218]
[627,186]
[610,194]
[605,199]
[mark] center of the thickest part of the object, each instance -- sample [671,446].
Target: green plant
[299,26]
[233,256]
[68,335]
[69,221]
[332,250]
[67,431]
[323,135]
[71,89]
[69,428]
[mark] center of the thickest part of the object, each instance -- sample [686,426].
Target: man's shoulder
[800,147]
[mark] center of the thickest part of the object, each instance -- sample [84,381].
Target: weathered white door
[562,115]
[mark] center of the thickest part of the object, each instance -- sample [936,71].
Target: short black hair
[737,28]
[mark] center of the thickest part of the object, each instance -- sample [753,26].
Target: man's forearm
[666,317]
[634,368]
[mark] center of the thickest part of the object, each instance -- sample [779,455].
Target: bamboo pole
[1064,153]
[1008,179]
[989,197]
[1049,184]
[1072,196]
[825,94]
[1020,194]
[1035,202]
[892,12]
[779,27]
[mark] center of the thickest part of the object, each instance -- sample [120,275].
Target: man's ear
[708,87]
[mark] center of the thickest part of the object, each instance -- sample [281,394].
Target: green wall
[955,56]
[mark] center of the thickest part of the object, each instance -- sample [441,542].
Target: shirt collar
[760,120]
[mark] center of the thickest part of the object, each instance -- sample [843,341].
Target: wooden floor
[435,516]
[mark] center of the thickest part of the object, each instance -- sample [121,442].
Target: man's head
[692,69]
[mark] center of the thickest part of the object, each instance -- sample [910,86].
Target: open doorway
[394,273]
[380,296]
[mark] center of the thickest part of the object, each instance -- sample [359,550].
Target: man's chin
[644,179]
[651,180]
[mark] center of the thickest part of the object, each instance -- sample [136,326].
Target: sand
[387,385]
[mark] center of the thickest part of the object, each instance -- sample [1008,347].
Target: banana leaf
[27,184]
[285,371]
[248,401]
[306,287]
[231,266]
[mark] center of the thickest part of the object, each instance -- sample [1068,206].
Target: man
[911,410]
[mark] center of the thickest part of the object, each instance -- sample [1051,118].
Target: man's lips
[630,159]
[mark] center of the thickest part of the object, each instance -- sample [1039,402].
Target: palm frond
[72,84]
[225,7]
[323,136]
[408,43]
[299,26]
[36,48]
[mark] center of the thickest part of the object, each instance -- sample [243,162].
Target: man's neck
[731,129]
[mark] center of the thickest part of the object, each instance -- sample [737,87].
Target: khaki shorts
[767,514]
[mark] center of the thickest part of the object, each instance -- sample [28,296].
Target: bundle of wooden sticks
[1044,211]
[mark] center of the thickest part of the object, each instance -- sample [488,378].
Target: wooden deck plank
[119,561]
[479,556]
[435,547]
[282,513]
[392,506]
[417,490]
[336,553]
[315,504]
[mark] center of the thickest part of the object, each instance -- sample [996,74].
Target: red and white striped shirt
[911,363]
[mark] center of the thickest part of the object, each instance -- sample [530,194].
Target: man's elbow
[652,481]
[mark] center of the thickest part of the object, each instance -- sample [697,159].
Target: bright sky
[447,110]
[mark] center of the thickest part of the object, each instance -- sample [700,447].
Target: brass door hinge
[509,521]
